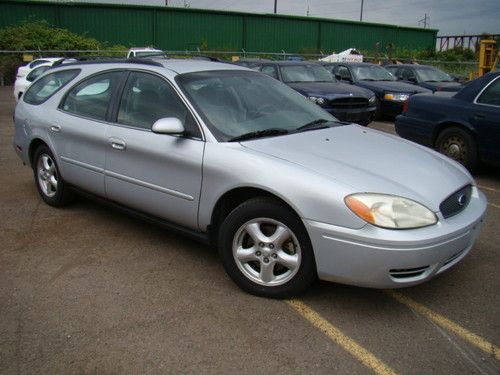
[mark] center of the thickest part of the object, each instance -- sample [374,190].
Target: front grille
[406,273]
[456,202]
[349,103]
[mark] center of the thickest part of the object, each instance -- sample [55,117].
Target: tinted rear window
[47,86]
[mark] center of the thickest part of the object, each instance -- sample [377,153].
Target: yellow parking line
[472,338]
[348,344]
[494,205]
[488,188]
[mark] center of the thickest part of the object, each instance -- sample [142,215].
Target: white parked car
[24,70]
[23,82]
[145,52]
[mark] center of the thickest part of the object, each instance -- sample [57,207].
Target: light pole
[361,14]
[275,5]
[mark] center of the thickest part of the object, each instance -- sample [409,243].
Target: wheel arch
[232,199]
[449,124]
[34,144]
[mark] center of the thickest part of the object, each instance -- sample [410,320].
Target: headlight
[396,97]
[316,100]
[372,100]
[390,211]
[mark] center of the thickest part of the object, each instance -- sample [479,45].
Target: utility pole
[275,6]
[166,3]
[361,13]
[424,20]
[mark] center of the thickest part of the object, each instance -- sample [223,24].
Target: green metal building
[177,29]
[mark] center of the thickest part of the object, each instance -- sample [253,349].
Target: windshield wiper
[367,79]
[313,125]
[258,134]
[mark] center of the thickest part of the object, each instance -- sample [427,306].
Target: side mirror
[168,125]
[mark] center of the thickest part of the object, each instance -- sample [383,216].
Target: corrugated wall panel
[181,30]
[11,14]
[275,34]
[125,26]
[187,29]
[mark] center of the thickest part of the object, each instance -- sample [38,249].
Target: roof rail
[108,60]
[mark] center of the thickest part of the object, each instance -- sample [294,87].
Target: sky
[451,17]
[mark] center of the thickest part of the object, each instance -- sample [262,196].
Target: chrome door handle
[117,144]
[55,128]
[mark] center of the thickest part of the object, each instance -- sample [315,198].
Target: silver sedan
[230,156]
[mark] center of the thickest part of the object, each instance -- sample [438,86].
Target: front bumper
[415,129]
[382,258]
[391,108]
[357,115]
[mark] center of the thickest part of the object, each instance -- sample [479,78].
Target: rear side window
[47,86]
[91,97]
[491,95]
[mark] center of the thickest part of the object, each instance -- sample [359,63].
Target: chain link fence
[10,60]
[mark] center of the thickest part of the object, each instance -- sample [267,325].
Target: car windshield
[371,73]
[305,73]
[233,103]
[433,75]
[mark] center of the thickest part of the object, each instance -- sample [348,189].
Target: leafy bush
[40,35]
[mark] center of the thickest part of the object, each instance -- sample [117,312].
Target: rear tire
[49,182]
[266,250]
[458,144]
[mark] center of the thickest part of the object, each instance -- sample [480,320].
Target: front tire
[48,179]
[266,250]
[458,144]
[378,115]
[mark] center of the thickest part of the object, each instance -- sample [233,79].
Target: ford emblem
[462,199]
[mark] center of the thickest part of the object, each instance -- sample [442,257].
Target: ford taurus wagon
[233,157]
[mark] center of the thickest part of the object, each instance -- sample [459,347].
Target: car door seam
[148,185]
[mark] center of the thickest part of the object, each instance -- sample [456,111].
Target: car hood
[366,160]
[329,90]
[393,86]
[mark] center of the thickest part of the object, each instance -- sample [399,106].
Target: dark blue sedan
[345,102]
[464,126]
[390,93]
[426,76]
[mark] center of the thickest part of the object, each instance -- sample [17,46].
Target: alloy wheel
[266,251]
[47,175]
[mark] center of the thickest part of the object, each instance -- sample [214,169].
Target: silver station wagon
[233,157]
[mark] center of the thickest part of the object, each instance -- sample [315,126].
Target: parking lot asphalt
[85,289]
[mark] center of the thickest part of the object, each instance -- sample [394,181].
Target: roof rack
[88,60]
